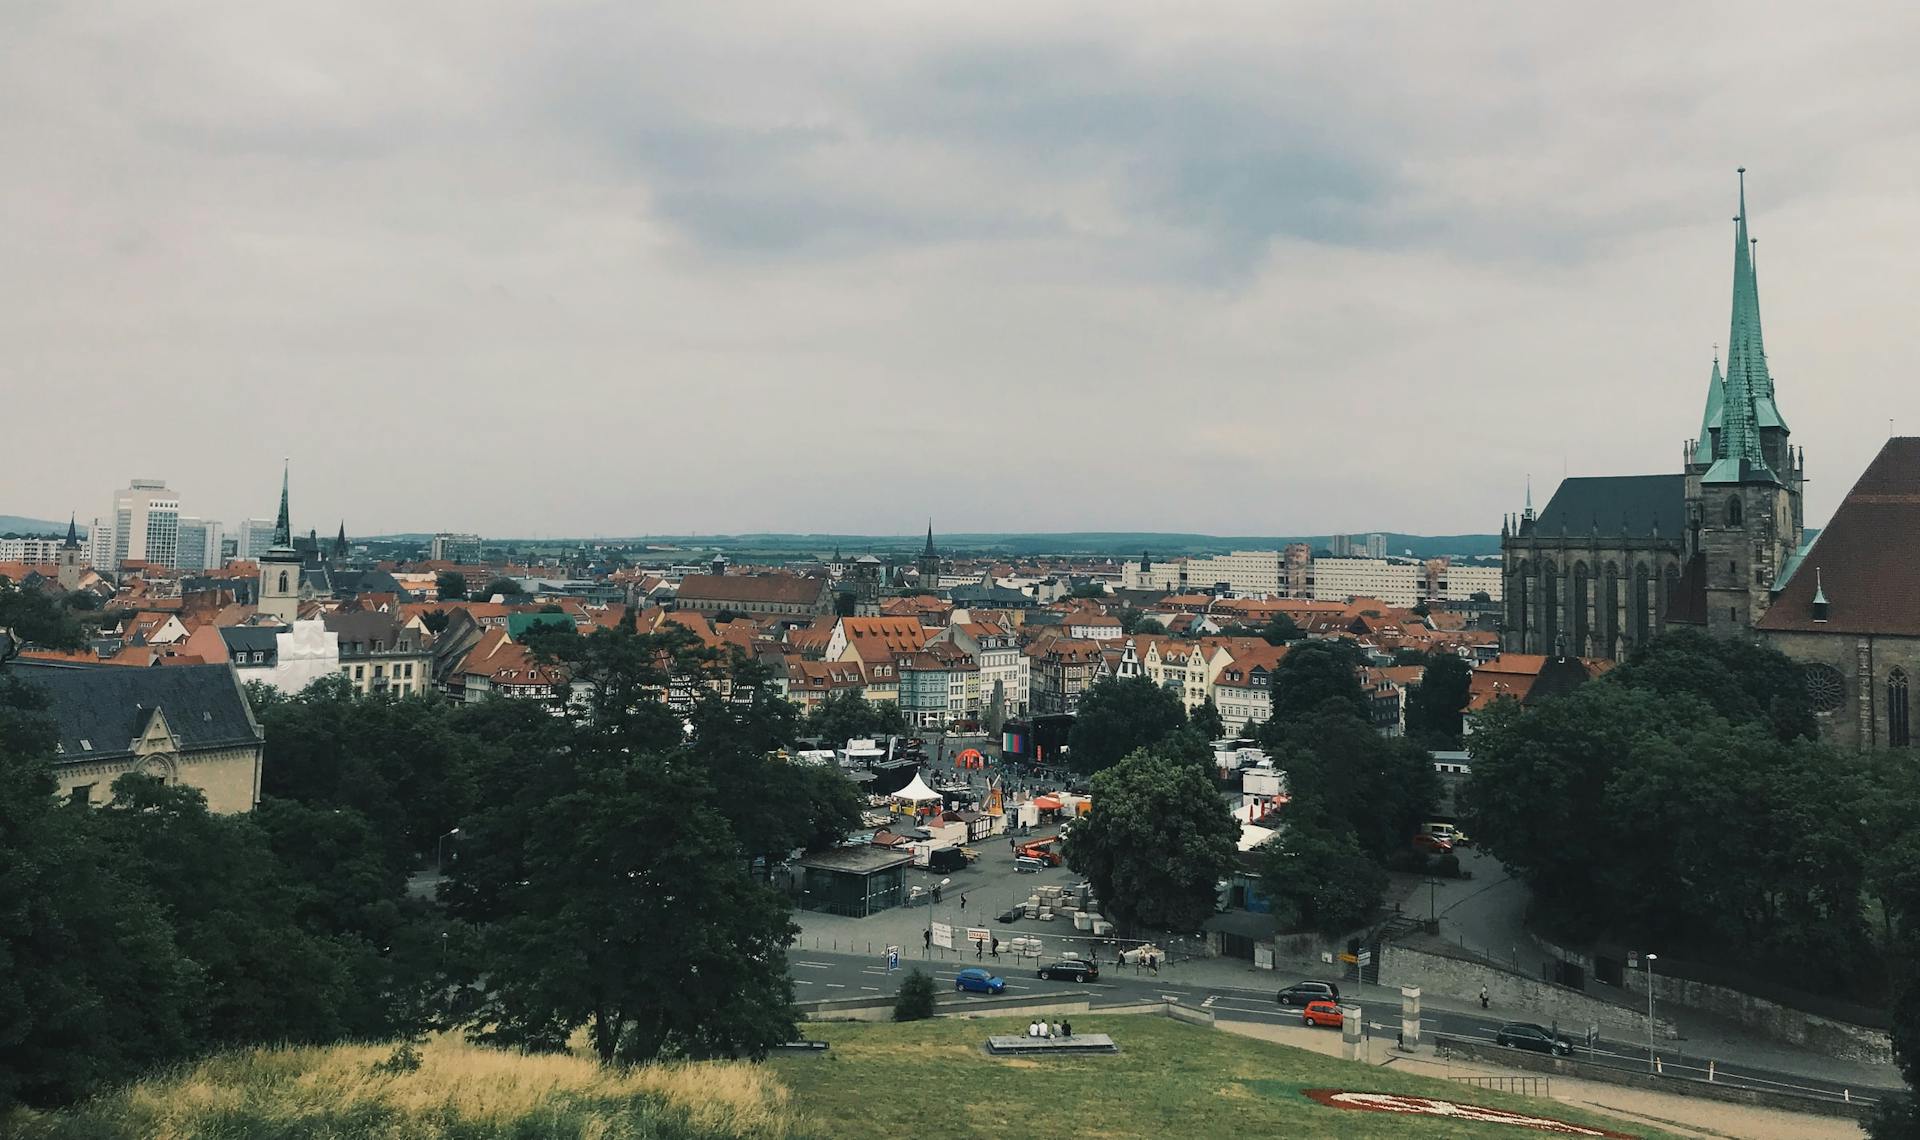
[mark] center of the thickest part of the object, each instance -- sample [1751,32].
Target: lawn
[931,1079]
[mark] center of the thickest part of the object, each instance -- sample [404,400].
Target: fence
[1526,1086]
[1676,1074]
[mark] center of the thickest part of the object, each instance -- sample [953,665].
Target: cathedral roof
[1630,505]
[1747,406]
[1867,560]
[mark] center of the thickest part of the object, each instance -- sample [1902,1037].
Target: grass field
[931,1079]
[459,1092]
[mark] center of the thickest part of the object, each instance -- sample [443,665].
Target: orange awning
[1047,803]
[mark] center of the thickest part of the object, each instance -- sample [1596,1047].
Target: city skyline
[664,270]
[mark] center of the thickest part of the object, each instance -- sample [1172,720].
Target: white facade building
[1250,573]
[200,541]
[253,539]
[38,549]
[146,524]
[1395,583]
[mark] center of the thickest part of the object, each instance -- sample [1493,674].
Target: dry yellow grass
[457,1085]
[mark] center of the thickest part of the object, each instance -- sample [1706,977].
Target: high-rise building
[200,542]
[146,524]
[458,548]
[253,539]
[1376,546]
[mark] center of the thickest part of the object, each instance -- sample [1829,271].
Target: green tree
[503,587]
[1156,844]
[1318,878]
[1342,771]
[1315,672]
[915,1002]
[93,989]
[1898,1117]
[1088,591]
[230,904]
[1435,706]
[1740,680]
[846,715]
[1208,721]
[845,603]
[636,921]
[1282,630]
[1132,620]
[451,586]
[1118,715]
[31,617]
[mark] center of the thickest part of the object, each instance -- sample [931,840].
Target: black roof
[253,638]
[108,706]
[1617,504]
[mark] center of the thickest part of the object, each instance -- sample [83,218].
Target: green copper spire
[1716,405]
[283,526]
[1747,403]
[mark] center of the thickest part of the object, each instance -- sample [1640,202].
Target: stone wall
[1781,1023]
[1513,995]
[1778,1022]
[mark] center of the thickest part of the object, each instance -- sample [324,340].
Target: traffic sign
[1350,959]
[1366,958]
[893,959]
[979,934]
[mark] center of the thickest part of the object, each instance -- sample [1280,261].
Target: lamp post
[930,894]
[1651,959]
[440,854]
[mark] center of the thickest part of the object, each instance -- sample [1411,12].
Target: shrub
[916,998]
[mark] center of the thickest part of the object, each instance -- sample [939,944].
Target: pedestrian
[996,948]
[1033,1029]
[1013,845]
[1046,1030]
[1153,964]
[1483,997]
[1066,1029]
[979,949]
[963,902]
[928,935]
[1056,1030]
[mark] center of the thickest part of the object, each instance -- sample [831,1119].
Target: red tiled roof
[1867,560]
[748,589]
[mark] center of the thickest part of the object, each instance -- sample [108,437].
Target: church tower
[280,568]
[929,563]
[1744,479]
[71,557]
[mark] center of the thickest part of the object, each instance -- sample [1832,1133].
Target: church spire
[929,550]
[1711,421]
[283,525]
[1747,402]
[73,533]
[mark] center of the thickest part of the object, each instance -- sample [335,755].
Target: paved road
[820,976]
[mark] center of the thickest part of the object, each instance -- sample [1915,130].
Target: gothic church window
[1826,688]
[283,581]
[1733,512]
[1897,733]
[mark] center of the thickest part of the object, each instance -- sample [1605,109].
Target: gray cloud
[724,267]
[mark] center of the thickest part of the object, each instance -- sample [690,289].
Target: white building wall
[1395,583]
[306,652]
[1250,572]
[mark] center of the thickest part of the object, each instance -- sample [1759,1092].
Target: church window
[283,581]
[1897,732]
[1733,512]
[1826,688]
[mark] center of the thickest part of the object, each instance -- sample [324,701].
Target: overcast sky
[651,267]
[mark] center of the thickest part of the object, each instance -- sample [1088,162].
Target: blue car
[979,981]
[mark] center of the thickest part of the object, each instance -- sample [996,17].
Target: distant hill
[14,524]
[1109,544]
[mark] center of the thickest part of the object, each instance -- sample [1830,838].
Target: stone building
[187,724]
[1614,560]
[1849,607]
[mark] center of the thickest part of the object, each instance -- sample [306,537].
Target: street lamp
[440,854]
[930,894]
[1651,959]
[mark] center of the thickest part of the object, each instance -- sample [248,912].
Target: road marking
[816,965]
[801,982]
[1211,998]
[875,989]
[836,985]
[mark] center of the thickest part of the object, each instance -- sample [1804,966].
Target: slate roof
[108,706]
[747,589]
[1867,559]
[1618,504]
[252,639]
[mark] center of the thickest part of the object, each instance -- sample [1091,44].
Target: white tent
[916,792]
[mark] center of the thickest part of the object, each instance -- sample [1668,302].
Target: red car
[1432,844]
[1322,1013]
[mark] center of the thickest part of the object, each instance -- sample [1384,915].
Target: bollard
[1846,1095]
[1710,1072]
[1657,1069]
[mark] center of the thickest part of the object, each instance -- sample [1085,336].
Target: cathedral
[1614,560]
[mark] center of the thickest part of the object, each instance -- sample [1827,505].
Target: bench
[1023,1045]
